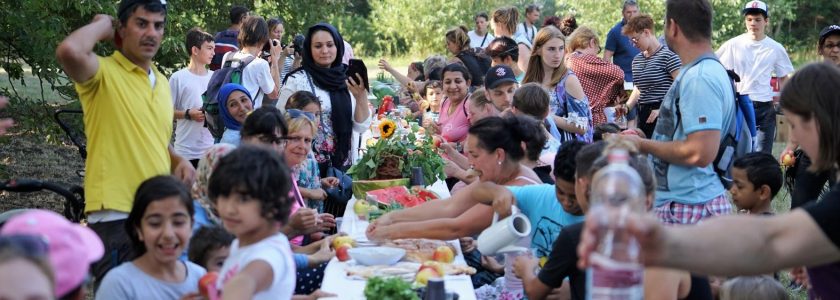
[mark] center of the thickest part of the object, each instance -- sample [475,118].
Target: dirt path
[23,156]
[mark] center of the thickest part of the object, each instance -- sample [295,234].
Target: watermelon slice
[384,196]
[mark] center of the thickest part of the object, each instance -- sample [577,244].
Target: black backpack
[210,106]
[477,62]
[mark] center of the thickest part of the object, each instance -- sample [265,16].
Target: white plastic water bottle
[616,271]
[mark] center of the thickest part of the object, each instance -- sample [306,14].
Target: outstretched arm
[471,222]
[773,243]
[75,53]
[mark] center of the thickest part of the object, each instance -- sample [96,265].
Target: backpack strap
[311,86]
[677,86]
[525,28]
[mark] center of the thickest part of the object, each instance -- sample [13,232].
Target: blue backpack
[737,139]
[210,105]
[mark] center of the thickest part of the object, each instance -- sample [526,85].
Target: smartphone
[357,66]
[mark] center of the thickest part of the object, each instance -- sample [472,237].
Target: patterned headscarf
[209,161]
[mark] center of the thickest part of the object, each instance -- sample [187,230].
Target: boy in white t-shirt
[755,57]
[187,85]
[261,77]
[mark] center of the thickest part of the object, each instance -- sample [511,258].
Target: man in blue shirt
[619,50]
[227,40]
[684,143]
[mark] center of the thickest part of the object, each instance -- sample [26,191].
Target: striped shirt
[652,75]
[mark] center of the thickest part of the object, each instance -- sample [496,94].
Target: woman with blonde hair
[458,43]
[602,81]
[569,106]
[504,25]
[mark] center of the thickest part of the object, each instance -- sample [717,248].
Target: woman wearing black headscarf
[344,104]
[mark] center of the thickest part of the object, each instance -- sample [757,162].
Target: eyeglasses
[274,140]
[831,46]
[297,113]
[298,140]
[28,245]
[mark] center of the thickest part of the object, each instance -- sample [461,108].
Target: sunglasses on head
[296,113]
[28,245]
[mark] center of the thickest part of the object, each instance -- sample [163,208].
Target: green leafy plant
[392,288]
[394,155]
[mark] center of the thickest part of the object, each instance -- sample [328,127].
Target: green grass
[29,87]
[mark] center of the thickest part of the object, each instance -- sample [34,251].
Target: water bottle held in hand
[616,271]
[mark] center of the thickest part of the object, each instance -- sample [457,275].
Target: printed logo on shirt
[545,232]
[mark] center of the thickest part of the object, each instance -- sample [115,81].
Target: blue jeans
[765,123]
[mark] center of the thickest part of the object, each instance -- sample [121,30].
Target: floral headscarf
[209,161]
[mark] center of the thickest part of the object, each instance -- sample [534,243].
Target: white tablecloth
[336,281]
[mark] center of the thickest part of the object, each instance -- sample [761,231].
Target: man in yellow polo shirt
[127,115]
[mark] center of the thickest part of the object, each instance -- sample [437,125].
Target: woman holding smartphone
[344,104]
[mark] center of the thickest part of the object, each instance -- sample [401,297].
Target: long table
[336,281]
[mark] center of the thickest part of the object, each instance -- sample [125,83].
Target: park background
[401,31]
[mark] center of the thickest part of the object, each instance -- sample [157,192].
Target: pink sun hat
[71,248]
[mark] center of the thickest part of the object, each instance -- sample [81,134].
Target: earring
[500,162]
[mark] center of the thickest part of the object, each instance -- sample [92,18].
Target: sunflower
[386,128]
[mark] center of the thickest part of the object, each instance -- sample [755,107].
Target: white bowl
[374,256]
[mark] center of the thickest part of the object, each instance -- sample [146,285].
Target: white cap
[755,6]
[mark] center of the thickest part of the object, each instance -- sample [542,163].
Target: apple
[444,254]
[341,253]
[361,207]
[437,140]
[343,240]
[436,266]
[424,275]
[788,160]
[207,285]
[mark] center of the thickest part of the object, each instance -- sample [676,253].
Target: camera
[266,50]
[297,42]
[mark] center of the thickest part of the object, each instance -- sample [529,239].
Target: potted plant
[389,160]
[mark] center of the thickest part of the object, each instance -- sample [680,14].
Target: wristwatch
[187,114]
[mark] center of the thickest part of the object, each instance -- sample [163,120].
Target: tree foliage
[31,29]
[793,23]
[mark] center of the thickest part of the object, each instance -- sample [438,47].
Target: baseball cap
[498,75]
[71,248]
[829,30]
[755,6]
[126,4]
